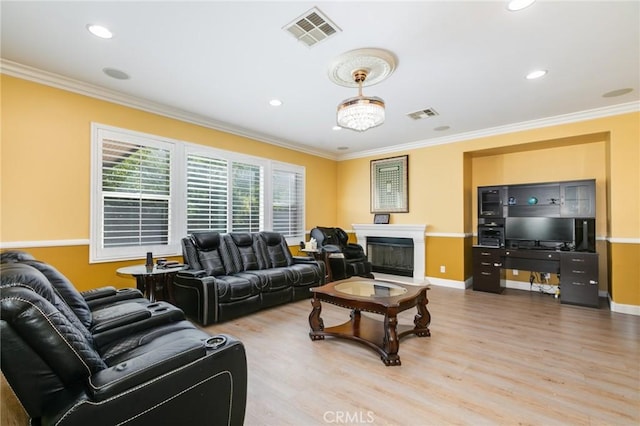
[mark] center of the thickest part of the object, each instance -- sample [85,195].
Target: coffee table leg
[422,318]
[391,344]
[316,323]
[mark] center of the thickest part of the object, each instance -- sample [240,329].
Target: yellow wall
[45,185]
[443,180]
[625,273]
[45,170]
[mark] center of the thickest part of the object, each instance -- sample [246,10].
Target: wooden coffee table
[376,296]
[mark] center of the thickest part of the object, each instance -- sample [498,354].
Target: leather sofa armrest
[109,298]
[192,273]
[189,382]
[117,316]
[97,293]
[143,368]
[193,292]
[119,321]
[331,248]
[303,259]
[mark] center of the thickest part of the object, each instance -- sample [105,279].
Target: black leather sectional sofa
[107,357]
[234,274]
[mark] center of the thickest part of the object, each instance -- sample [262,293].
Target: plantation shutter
[288,203]
[136,194]
[207,194]
[247,198]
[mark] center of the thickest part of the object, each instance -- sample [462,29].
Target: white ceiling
[219,63]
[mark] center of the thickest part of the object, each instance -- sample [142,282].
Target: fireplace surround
[416,232]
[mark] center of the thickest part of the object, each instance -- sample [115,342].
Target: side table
[149,280]
[323,257]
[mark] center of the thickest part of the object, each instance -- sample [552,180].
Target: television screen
[552,229]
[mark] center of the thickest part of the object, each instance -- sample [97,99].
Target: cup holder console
[215,342]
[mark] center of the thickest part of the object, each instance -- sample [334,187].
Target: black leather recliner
[64,372]
[353,261]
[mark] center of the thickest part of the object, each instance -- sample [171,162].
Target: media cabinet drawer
[534,254]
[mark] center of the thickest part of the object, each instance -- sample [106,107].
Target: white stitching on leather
[143,385]
[46,317]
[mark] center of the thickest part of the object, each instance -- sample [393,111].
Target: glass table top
[370,288]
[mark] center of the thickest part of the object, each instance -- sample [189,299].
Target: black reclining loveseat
[107,357]
[234,274]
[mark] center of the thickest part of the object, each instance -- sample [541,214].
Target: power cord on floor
[543,283]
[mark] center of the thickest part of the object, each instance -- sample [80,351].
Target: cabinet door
[490,201]
[578,199]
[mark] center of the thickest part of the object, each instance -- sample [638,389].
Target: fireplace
[415,233]
[390,255]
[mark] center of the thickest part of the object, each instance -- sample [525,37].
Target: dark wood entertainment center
[543,227]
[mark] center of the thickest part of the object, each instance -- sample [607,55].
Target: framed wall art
[390,185]
[381,218]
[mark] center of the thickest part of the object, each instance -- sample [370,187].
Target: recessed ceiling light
[441,128]
[117,74]
[342,148]
[618,92]
[99,31]
[275,102]
[336,128]
[536,74]
[515,5]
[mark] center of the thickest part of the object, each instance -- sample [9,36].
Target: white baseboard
[461,285]
[624,309]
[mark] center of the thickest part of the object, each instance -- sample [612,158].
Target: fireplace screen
[391,255]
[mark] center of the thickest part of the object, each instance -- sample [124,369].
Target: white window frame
[179,151]
[230,157]
[291,168]
[98,253]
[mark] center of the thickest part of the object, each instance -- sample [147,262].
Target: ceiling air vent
[423,113]
[312,27]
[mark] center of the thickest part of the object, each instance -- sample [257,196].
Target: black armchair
[345,259]
[146,372]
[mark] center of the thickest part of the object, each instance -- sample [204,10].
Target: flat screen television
[539,230]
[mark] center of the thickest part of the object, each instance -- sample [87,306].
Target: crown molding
[500,130]
[36,75]
[15,69]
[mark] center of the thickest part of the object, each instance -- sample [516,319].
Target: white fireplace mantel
[415,232]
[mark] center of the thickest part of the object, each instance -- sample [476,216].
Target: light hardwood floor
[516,358]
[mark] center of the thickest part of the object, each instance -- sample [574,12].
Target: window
[288,201]
[223,195]
[247,200]
[207,194]
[133,197]
[149,192]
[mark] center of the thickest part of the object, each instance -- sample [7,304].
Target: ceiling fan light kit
[358,68]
